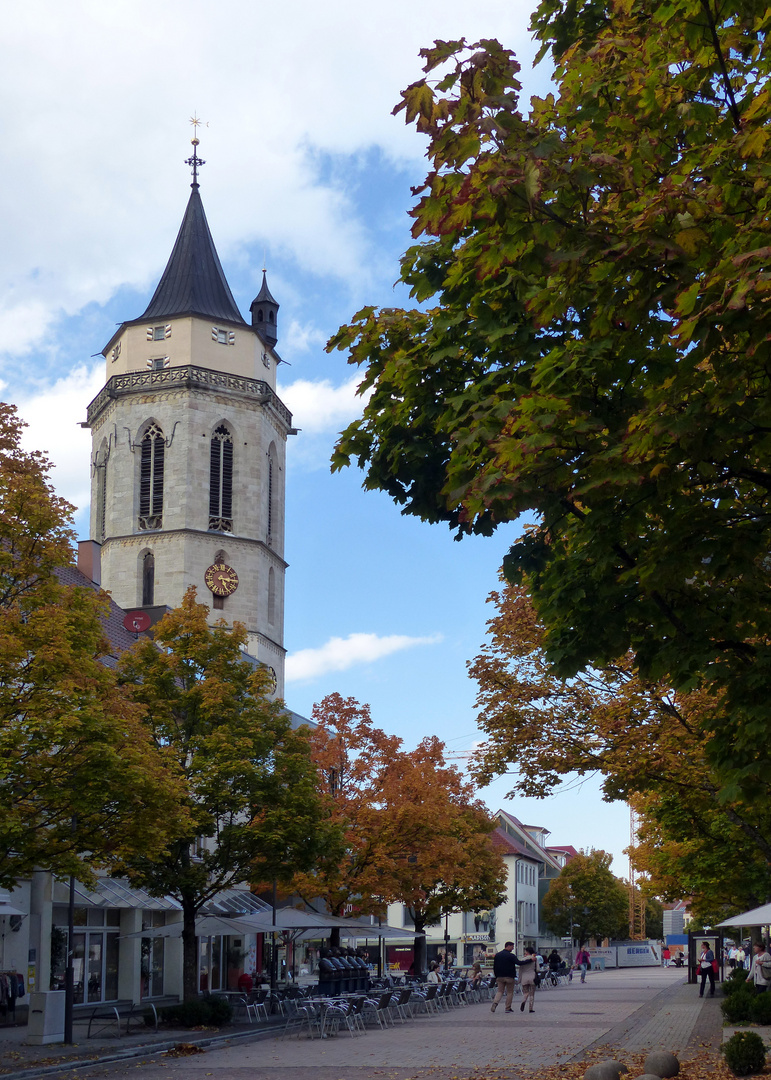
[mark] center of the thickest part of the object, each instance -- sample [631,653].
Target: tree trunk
[189,952]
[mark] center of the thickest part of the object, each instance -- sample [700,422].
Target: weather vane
[195,161]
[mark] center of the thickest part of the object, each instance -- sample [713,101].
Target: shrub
[221,1011]
[745,1053]
[760,1012]
[735,981]
[737,1007]
[211,1012]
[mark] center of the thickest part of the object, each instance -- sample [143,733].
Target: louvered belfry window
[221,481]
[151,479]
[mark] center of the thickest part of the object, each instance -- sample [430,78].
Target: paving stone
[633,1009]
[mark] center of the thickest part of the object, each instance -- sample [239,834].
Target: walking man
[505,971]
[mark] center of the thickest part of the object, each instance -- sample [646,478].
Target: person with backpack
[760,972]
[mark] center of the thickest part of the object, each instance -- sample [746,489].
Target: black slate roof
[193,282]
[264,294]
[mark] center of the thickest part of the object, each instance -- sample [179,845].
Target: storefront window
[153,955]
[94,954]
[111,967]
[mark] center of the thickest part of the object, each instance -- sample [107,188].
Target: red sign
[136,621]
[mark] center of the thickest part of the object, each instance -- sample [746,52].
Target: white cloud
[94,142]
[300,338]
[339,654]
[53,414]
[318,407]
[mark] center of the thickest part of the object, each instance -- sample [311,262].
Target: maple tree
[588,899]
[351,757]
[597,350]
[82,784]
[438,835]
[645,741]
[249,782]
[413,831]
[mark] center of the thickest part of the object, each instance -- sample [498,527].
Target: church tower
[189,446]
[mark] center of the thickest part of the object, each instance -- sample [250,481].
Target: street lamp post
[446,942]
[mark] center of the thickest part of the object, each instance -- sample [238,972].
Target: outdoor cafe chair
[306,1018]
[429,998]
[460,992]
[341,1012]
[422,999]
[380,1010]
[401,1004]
[256,1007]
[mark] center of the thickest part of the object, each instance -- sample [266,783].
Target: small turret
[264,311]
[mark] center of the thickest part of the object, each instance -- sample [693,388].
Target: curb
[143,1050]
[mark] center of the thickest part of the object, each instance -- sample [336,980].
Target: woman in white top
[760,972]
[433,974]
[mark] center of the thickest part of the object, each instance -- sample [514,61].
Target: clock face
[221,579]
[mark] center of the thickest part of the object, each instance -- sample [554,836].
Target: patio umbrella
[759,916]
[206,926]
[9,909]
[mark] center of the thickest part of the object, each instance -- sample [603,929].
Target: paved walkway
[631,1010]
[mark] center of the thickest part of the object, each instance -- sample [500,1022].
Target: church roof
[264,294]
[193,282]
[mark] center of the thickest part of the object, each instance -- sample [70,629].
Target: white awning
[759,916]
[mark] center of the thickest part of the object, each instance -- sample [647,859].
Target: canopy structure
[759,916]
[8,909]
[287,920]
[208,926]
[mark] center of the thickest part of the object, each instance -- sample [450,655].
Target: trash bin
[46,1017]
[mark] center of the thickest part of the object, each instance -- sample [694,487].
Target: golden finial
[195,161]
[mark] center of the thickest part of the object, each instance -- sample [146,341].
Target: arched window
[101,494]
[151,479]
[148,579]
[221,481]
[271,596]
[272,523]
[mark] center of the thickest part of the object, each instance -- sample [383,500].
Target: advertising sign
[608,955]
[640,954]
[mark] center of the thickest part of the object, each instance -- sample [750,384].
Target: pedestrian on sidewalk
[760,971]
[707,969]
[527,972]
[505,972]
[583,960]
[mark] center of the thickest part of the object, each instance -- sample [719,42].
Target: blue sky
[308,170]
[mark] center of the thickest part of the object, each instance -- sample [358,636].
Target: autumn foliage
[248,784]
[646,742]
[83,786]
[413,830]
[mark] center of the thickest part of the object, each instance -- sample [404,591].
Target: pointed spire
[193,282]
[264,309]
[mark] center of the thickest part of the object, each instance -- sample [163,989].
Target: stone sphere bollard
[662,1063]
[605,1070]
